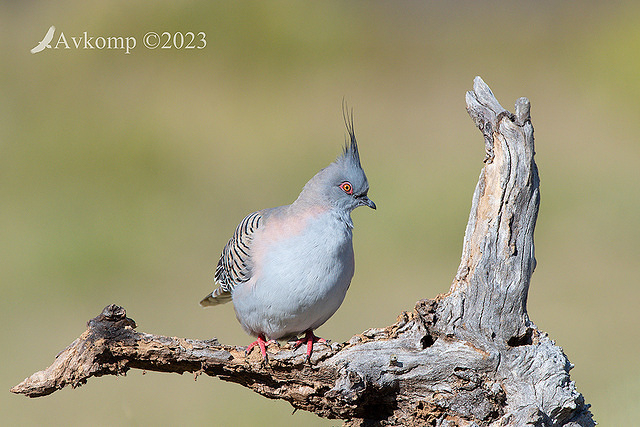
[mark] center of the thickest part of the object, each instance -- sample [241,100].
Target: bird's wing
[234,265]
[38,48]
[49,36]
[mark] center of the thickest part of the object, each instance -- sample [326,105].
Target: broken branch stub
[488,297]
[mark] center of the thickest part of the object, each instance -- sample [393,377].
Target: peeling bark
[469,357]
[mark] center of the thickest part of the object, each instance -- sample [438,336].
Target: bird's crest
[351,145]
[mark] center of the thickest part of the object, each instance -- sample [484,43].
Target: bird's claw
[310,339]
[262,344]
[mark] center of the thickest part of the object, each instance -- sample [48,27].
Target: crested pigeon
[287,269]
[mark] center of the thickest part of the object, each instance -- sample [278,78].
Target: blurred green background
[123,176]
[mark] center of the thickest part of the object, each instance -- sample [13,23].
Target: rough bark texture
[469,357]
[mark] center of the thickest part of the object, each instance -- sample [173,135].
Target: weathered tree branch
[469,357]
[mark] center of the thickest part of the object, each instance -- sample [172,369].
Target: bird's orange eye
[346,187]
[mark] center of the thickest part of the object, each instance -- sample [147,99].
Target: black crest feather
[351,145]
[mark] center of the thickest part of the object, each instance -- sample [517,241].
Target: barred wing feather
[234,266]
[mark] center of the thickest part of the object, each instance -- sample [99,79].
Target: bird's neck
[345,217]
[320,207]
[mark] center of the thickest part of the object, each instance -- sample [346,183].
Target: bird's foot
[263,344]
[309,338]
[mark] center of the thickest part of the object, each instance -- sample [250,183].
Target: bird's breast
[306,254]
[302,270]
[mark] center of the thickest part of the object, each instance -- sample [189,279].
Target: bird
[45,41]
[287,269]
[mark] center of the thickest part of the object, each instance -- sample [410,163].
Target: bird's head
[343,184]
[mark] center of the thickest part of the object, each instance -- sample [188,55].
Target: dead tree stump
[471,357]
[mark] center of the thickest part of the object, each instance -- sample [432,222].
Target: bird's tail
[217,297]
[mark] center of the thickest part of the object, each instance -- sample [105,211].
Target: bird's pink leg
[260,342]
[310,338]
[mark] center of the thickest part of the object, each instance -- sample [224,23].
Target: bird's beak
[365,201]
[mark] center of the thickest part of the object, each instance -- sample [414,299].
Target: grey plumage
[287,269]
